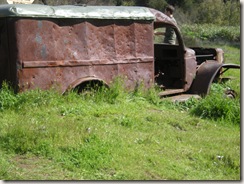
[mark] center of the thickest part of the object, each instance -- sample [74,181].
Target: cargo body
[64,52]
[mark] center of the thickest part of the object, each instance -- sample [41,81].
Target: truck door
[175,65]
[169,59]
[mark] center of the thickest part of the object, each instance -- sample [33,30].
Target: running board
[168,92]
[175,95]
[183,97]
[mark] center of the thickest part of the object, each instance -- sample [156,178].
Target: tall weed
[218,107]
[101,93]
[7,97]
[37,98]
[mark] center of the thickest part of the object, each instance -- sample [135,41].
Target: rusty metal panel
[61,77]
[144,39]
[44,40]
[125,36]
[137,73]
[59,52]
[206,73]
[190,67]
[161,17]
[100,39]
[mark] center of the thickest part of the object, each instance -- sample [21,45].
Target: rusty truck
[68,47]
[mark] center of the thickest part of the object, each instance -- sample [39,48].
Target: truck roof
[71,11]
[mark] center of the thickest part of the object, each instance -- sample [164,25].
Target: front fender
[207,72]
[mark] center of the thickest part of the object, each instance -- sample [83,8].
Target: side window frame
[159,34]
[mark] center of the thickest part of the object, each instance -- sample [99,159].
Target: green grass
[211,32]
[117,135]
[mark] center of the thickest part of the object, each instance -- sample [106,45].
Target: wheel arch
[83,82]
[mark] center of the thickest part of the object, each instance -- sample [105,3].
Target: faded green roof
[70,11]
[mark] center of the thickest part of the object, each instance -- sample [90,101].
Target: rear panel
[4,65]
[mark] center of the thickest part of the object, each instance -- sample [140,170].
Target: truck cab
[183,70]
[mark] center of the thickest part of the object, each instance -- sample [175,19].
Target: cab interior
[169,64]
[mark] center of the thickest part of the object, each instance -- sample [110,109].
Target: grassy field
[116,135]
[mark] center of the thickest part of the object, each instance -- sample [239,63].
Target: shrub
[211,32]
[218,107]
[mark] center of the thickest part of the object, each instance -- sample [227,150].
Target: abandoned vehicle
[68,47]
